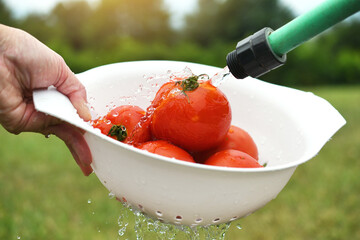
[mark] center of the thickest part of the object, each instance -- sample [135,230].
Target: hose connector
[253,56]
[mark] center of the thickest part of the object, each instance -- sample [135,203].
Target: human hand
[25,65]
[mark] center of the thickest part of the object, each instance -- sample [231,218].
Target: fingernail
[87,114]
[83,111]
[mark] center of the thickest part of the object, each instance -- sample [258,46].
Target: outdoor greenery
[43,194]
[119,30]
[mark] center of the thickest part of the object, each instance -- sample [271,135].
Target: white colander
[289,127]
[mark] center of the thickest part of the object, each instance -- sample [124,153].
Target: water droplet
[111,195]
[89,201]
[238,226]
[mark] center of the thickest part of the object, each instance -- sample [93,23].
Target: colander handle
[266,49]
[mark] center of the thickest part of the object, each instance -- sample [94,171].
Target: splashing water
[238,226]
[149,228]
[220,77]
[150,86]
[123,222]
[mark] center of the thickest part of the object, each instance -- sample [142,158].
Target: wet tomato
[193,115]
[104,125]
[237,139]
[232,158]
[128,115]
[120,122]
[166,149]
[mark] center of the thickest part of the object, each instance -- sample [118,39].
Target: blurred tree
[330,58]
[121,30]
[232,20]
[71,21]
[5,14]
[345,35]
[202,25]
[143,20]
[37,25]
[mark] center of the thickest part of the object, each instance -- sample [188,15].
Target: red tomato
[104,125]
[127,115]
[232,158]
[120,122]
[141,132]
[237,139]
[166,149]
[193,115]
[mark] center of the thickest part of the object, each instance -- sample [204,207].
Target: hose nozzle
[253,56]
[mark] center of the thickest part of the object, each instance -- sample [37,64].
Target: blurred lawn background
[43,194]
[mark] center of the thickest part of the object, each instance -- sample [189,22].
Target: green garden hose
[266,49]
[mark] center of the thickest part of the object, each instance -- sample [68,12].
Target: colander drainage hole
[141,207]
[178,218]
[159,213]
[216,220]
[199,220]
[233,218]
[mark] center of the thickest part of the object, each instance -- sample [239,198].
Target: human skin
[26,65]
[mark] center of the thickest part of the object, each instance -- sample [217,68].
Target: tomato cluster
[189,119]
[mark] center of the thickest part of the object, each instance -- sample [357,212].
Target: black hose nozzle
[253,56]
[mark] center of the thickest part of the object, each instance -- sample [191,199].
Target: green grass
[43,194]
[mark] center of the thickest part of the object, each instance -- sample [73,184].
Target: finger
[76,143]
[69,85]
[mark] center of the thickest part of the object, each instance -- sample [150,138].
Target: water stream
[132,221]
[220,77]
